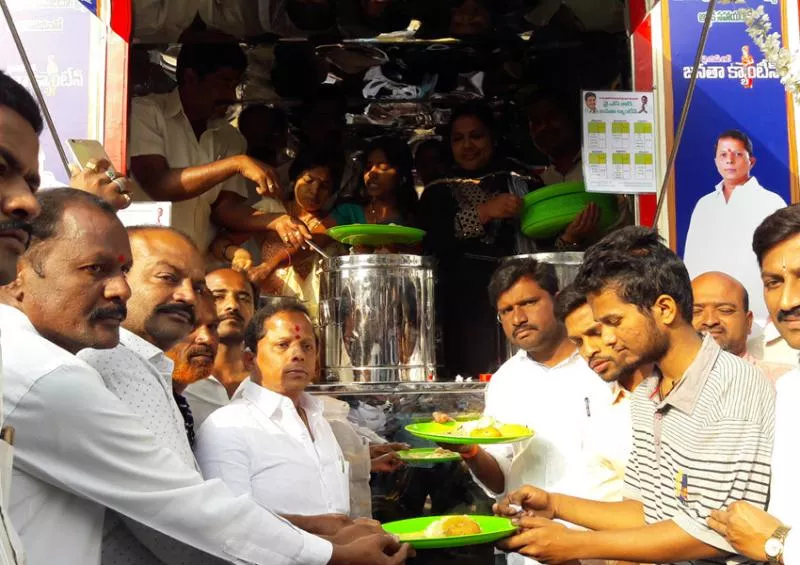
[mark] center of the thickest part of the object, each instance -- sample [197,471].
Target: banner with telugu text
[56,35]
[736,90]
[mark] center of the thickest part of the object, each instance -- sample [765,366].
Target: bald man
[722,309]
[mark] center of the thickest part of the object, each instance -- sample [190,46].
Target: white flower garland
[786,64]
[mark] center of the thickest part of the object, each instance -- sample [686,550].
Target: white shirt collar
[751,183]
[173,107]
[270,402]
[147,350]
[522,355]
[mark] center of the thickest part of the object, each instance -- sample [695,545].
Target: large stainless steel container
[377,318]
[566,263]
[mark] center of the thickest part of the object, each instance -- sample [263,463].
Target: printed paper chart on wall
[618,141]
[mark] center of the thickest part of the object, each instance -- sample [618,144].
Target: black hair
[47,225]
[308,159]
[207,58]
[273,112]
[738,135]
[254,288]
[635,262]
[589,95]
[569,299]
[255,330]
[512,271]
[399,156]
[563,102]
[477,109]
[14,96]
[776,228]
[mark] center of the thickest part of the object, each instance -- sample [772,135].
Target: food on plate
[486,432]
[437,453]
[450,526]
[487,427]
[512,430]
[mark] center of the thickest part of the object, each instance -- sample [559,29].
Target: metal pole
[36,90]
[673,155]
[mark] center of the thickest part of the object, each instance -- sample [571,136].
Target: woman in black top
[471,220]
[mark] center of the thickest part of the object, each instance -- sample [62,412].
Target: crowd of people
[155,378]
[247,206]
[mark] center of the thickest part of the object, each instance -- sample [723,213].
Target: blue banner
[736,90]
[56,35]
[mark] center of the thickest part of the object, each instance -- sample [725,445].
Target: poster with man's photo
[733,166]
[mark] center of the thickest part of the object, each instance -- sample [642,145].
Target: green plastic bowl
[548,211]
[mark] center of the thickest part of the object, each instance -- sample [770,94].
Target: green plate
[375,235]
[547,211]
[418,455]
[493,528]
[441,433]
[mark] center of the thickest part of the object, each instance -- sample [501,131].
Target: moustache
[176,308]
[200,350]
[793,313]
[114,312]
[232,316]
[21,225]
[524,327]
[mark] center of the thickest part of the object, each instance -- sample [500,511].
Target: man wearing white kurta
[721,228]
[546,386]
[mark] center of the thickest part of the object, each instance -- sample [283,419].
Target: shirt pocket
[336,477]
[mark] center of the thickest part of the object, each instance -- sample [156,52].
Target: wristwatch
[774,545]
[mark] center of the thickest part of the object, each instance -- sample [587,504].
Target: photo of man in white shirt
[723,221]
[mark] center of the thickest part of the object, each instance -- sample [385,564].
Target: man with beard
[722,309]
[194,359]
[759,535]
[85,451]
[235,298]
[546,386]
[169,279]
[20,126]
[611,443]
[703,423]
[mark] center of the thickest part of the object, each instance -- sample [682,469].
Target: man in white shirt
[235,298]
[722,224]
[182,150]
[546,386]
[611,441]
[722,309]
[168,283]
[703,423]
[273,441]
[83,449]
[555,131]
[753,532]
[20,126]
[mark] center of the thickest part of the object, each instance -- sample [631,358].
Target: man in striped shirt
[703,424]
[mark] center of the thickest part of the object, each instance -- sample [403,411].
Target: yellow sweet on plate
[450,526]
[508,430]
[490,431]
